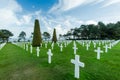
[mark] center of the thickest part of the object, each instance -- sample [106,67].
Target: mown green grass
[18,64]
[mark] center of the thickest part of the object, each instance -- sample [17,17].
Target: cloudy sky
[19,15]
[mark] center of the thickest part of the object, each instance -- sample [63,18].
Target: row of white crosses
[61,47]
[38,51]
[95,42]
[31,49]
[2,45]
[108,47]
[115,42]
[76,60]
[52,45]
[99,51]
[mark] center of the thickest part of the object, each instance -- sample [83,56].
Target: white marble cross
[68,43]
[103,42]
[45,45]
[87,46]
[58,43]
[94,44]
[38,50]
[99,43]
[26,47]
[98,52]
[52,45]
[31,48]
[61,48]
[83,44]
[49,55]
[75,48]
[65,44]
[106,48]
[77,64]
[110,46]
[74,44]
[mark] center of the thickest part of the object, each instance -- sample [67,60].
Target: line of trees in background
[22,36]
[100,31]
[91,31]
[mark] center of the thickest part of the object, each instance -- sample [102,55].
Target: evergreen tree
[37,40]
[54,39]
[21,36]
[46,35]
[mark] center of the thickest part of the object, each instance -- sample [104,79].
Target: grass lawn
[18,64]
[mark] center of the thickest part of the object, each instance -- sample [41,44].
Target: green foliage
[46,35]
[37,40]
[54,39]
[99,31]
[22,35]
[5,34]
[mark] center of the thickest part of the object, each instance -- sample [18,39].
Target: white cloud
[10,5]
[25,20]
[111,2]
[10,18]
[8,10]
[109,19]
[91,22]
[62,24]
[7,17]
[65,5]
[8,14]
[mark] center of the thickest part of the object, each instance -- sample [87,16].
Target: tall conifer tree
[54,39]
[37,40]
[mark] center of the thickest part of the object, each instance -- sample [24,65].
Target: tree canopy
[99,31]
[46,35]
[5,34]
[21,36]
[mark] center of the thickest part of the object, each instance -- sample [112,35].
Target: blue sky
[19,15]
[34,5]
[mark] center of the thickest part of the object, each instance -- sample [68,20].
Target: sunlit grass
[18,64]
